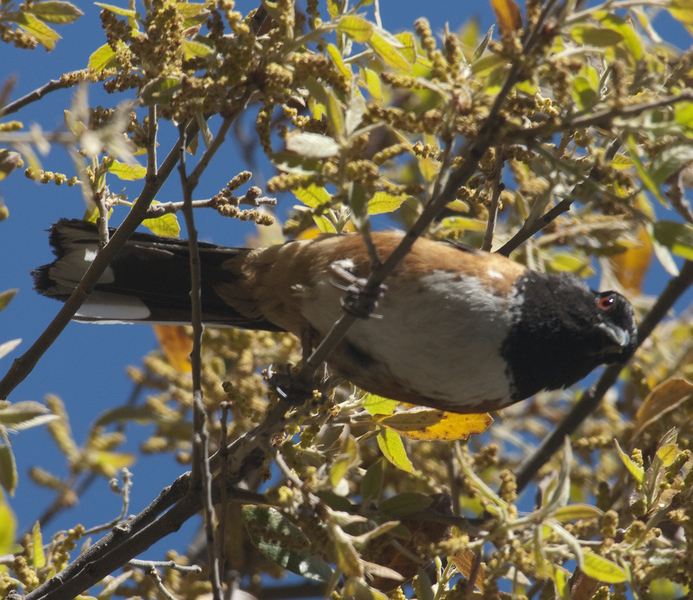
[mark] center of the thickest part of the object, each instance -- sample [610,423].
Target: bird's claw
[358,300]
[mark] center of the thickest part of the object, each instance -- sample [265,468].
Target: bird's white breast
[439,336]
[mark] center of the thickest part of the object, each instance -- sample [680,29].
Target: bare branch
[66,81]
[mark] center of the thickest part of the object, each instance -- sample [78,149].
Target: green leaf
[160,90]
[404,504]
[268,528]
[583,92]
[390,55]
[602,569]
[595,36]
[292,163]
[652,187]
[356,28]
[166,225]
[683,113]
[313,195]
[637,473]
[103,58]
[678,237]
[312,145]
[57,13]
[127,172]
[669,161]
[630,37]
[577,511]
[44,35]
[6,298]
[393,449]
[381,202]
[8,469]
[123,12]
[372,482]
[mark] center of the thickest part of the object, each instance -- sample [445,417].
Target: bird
[457,329]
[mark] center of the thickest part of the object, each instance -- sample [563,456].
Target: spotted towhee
[457,329]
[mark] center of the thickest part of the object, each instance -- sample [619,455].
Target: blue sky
[86,366]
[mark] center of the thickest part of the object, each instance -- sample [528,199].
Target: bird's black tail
[148,280]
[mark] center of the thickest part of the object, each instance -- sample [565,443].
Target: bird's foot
[359,300]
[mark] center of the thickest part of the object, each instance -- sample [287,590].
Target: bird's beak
[619,336]
[616,342]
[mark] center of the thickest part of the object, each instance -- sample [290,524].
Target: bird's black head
[563,330]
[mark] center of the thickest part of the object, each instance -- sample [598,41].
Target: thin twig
[66,81]
[201,476]
[153,124]
[223,510]
[591,397]
[23,365]
[164,564]
[487,242]
[156,210]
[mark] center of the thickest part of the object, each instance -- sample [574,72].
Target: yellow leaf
[8,526]
[390,55]
[102,58]
[408,49]
[429,169]
[429,424]
[43,34]
[372,81]
[176,345]
[667,454]
[393,449]
[324,224]
[313,195]
[377,405]
[193,49]
[108,463]
[166,225]
[127,172]
[336,58]
[39,558]
[630,266]
[508,15]
[382,202]
[602,569]
[636,471]
[464,561]
[667,396]
[465,224]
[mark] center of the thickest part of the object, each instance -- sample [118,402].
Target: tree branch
[591,397]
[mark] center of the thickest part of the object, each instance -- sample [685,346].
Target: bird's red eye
[606,302]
